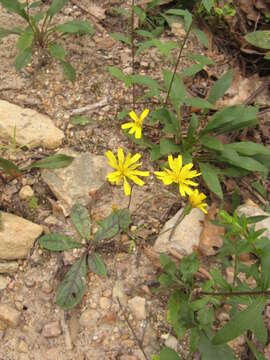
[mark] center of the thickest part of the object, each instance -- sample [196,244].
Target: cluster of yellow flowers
[128,168]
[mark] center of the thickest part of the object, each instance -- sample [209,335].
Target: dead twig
[90,107]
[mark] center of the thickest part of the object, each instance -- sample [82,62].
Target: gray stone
[85,175]
[32,128]
[252,209]
[9,315]
[186,237]
[3,282]
[137,307]
[17,236]
[8,267]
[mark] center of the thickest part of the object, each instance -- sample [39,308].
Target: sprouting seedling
[42,33]
[73,286]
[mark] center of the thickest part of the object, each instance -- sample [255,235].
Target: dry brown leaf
[211,235]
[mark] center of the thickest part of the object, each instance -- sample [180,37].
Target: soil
[32,289]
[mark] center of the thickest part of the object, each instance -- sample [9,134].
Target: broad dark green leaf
[108,228]
[80,120]
[210,351]
[96,265]
[211,142]
[9,167]
[56,6]
[220,87]
[58,242]
[177,90]
[68,71]
[168,146]
[201,59]
[23,58]
[249,148]
[73,286]
[260,39]
[155,153]
[192,127]
[189,266]
[244,162]
[14,6]
[6,32]
[201,36]
[124,219]
[192,70]
[198,103]
[57,51]
[169,354]
[53,162]
[25,40]
[232,118]
[76,27]
[118,74]
[179,313]
[81,220]
[121,37]
[241,322]
[210,176]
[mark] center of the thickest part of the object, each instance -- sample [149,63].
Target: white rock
[26,192]
[17,236]
[9,315]
[186,237]
[172,342]
[137,306]
[32,128]
[86,174]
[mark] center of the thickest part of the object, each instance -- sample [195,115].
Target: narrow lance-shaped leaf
[81,220]
[23,58]
[220,87]
[14,6]
[56,6]
[25,40]
[108,228]
[121,37]
[168,354]
[6,32]
[96,265]
[9,167]
[76,27]
[58,242]
[260,38]
[68,71]
[53,162]
[209,174]
[72,288]
[57,51]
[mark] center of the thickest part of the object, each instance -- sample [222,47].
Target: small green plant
[73,286]
[195,304]
[50,162]
[42,33]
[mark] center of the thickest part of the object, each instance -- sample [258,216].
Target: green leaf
[185,13]
[168,354]
[209,351]
[255,352]
[69,71]
[201,59]
[249,148]
[260,189]
[76,27]
[80,120]
[14,6]
[212,143]
[72,288]
[231,157]
[58,242]
[96,265]
[209,174]
[53,162]
[81,220]
[206,316]
[155,153]
[56,6]
[232,118]
[9,167]
[189,266]
[121,37]
[208,4]
[198,103]
[35,4]
[140,13]
[192,70]
[25,40]
[57,51]
[241,322]
[192,127]
[177,91]
[260,39]
[6,32]
[220,87]
[201,37]
[179,314]
[23,58]
[118,74]
[168,146]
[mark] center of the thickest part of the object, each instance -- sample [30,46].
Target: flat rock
[8,267]
[86,174]
[9,315]
[137,306]
[32,128]
[51,330]
[17,236]
[252,209]
[186,237]
[3,282]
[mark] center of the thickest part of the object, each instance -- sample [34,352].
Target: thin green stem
[132,50]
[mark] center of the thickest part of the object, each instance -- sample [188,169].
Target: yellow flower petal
[112,159]
[127,187]
[127,125]
[121,156]
[138,133]
[144,115]
[133,116]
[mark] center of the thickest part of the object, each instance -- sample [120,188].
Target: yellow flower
[196,200]
[125,169]
[178,174]
[136,125]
